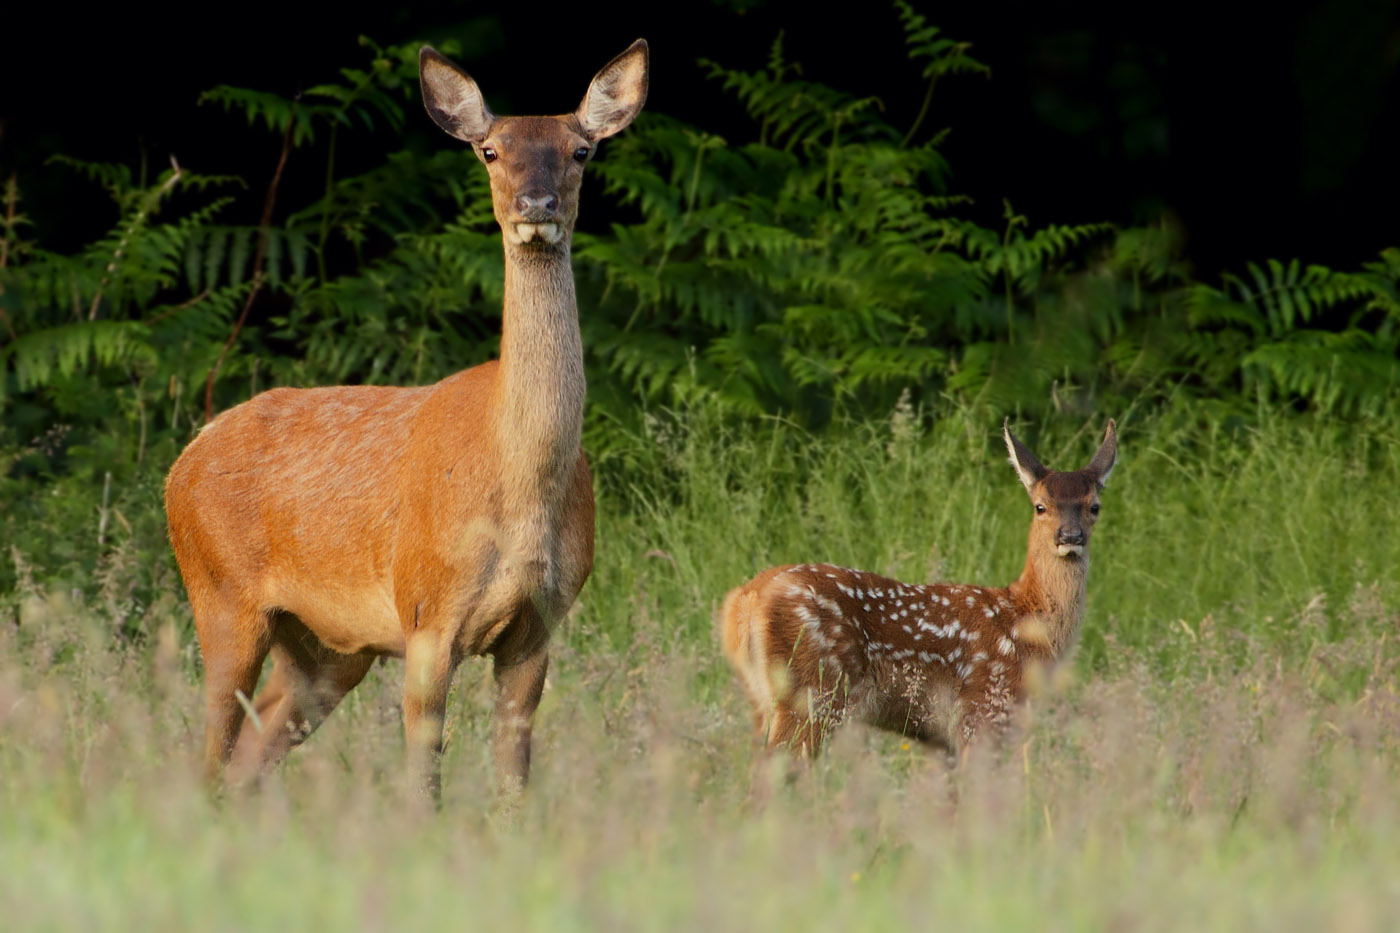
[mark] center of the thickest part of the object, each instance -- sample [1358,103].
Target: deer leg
[308,681]
[760,722]
[806,731]
[234,643]
[243,760]
[792,730]
[521,660]
[432,660]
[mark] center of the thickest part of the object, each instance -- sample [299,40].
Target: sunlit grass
[1223,754]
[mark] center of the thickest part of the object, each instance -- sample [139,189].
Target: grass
[1223,753]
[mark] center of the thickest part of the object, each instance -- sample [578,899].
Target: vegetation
[799,347]
[1225,746]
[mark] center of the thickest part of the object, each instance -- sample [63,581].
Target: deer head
[535,163]
[1066,504]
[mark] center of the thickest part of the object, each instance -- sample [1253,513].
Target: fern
[1349,368]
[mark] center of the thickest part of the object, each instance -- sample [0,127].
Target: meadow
[1221,752]
[800,343]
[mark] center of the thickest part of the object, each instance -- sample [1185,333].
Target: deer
[332,526]
[817,644]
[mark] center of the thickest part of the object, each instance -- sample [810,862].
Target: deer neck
[1053,588]
[539,410]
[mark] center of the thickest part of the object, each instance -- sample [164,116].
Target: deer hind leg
[234,641]
[308,681]
[804,722]
[795,731]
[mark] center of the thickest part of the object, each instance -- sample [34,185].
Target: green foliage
[1275,313]
[820,268]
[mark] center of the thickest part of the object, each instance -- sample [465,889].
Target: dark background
[1268,135]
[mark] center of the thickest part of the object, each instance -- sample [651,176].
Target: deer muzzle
[536,217]
[1069,542]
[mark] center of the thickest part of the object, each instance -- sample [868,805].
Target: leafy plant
[820,269]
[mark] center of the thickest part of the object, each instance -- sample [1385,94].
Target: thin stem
[831,159]
[923,112]
[326,207]
[106,512]
[11,199]
[141,215]
[264,231]
[157,318]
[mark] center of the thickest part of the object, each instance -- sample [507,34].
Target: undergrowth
[1222,749]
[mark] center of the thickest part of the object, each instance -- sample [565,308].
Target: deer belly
[346,619]
[913,701]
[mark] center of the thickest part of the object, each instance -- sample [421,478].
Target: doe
[815,644]
[331,526]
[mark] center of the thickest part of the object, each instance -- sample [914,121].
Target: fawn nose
[1069,536]
[536,206]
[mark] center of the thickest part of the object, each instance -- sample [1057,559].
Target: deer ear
[616,95]
[1027,467]
[1107,455]
[452,98]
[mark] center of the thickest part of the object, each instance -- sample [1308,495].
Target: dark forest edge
[819,271]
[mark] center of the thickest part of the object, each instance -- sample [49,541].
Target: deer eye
[581,154]
[1039,509]
[1094,508]
[488,154]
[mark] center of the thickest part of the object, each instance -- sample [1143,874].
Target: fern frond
[39,357]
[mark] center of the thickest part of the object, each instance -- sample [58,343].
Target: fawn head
[1066,504]
[535,163]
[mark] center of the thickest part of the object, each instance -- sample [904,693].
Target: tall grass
[1224,751]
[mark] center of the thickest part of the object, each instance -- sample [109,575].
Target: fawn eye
[1039,509]
[581,154]
[488,154]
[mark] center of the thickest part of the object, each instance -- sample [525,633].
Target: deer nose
[1069,536]
[536,207]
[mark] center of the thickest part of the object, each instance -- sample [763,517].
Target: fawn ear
[1027,467]
[1107,455]
[616,95]
[452,98]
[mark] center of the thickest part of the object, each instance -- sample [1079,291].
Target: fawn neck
[1053,587]
[539,413]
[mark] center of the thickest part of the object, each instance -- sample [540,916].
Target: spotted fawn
[816,644]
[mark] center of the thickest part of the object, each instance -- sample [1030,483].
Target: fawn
[815,644]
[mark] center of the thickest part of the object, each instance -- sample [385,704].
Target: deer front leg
[521,662]
[431,664]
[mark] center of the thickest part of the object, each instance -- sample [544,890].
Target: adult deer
[331,526]
[815,644]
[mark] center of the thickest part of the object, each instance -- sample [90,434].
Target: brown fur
[332,526]
[815,644]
